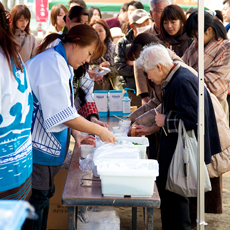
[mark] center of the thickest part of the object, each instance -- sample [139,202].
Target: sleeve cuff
[87,109]
[55,123]
[143,95]
[93,115]
[171,122]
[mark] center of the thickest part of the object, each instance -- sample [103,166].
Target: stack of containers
[124,169]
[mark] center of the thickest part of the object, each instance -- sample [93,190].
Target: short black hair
[90,11]
[80,2]
[219,15]
[138,43]
[191,25]
[137,4]
[75,13]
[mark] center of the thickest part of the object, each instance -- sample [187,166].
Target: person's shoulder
[31,37]
[184,75]
[110,19]
[3,59]
[151,29]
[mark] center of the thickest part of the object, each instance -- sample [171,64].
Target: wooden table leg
[134,218]
[150,218]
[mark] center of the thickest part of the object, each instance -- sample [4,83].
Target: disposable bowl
[86,149]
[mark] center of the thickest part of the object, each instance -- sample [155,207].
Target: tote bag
[182,174]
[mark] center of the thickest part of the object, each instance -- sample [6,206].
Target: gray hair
[153,55]
[152,3]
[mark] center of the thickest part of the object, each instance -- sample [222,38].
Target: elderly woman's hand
[160,120]
[145,130]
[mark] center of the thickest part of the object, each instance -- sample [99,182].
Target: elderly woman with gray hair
[179,101]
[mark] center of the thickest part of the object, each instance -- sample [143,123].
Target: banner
[41,10]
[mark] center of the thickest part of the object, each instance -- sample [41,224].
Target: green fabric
[109,7]
[64,30]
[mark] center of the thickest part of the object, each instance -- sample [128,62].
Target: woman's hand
[160,120]
[105,64]
[145,130]
[101,123]
[82,139]
[106,135]
[92,75]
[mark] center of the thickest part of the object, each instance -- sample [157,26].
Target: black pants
[40,201]
[153,145]
[174,208]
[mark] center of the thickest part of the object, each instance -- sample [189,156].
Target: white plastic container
[86,149]
[125,124]
[131,177]
[117,129]
[111,151]
[143,141]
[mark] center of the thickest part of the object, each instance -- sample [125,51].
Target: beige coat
[221,161]
[28,49]
[50,30]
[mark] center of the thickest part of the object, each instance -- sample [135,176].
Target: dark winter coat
[180,101]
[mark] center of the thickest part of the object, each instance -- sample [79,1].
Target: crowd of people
[47,93]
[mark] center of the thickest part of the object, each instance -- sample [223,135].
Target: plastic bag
[116,151]
[101,218]
[108,151]
[182,173]
[86,164]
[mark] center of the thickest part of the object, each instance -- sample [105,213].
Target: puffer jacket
[123,69]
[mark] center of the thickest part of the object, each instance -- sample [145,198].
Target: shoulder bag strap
[24,40]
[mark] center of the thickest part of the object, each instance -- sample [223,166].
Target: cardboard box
[59,181]
[58,214]
[58,217]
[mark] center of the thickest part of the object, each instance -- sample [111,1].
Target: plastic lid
[126,94]
[128,167]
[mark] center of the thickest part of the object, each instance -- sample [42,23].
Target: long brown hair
[9,47]
[82,35]
[105,26]
[16,12]
[172,12]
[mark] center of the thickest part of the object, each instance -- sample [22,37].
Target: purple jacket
[113,22]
